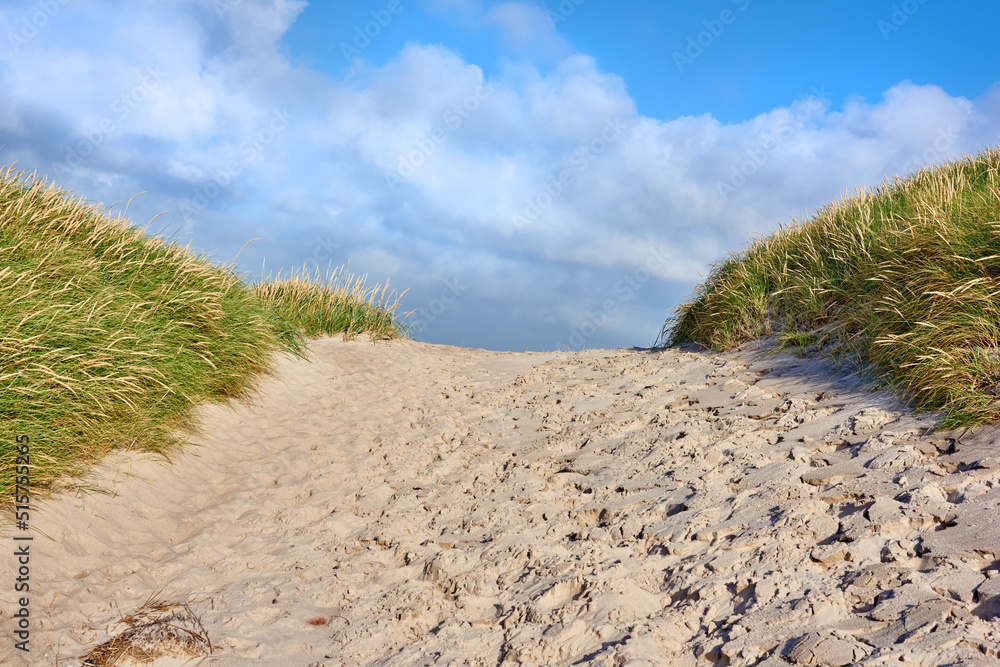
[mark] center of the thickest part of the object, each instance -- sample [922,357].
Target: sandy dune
[444,506]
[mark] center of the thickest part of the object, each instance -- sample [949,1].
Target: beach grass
[109,336]
[902,280]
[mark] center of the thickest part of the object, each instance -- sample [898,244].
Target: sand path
[445,506]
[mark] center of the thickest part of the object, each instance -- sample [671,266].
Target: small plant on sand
[904,279]
[158,629]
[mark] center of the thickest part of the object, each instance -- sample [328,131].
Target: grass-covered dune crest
[903,279]
[108,336]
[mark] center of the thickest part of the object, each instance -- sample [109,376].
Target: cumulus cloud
[558,214]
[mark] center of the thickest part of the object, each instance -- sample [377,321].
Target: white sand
[445,506]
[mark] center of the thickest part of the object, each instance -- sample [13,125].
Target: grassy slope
[108,337]
[904,279]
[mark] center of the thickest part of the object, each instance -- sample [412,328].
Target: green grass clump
[108,337]
[340,302]
[903,279]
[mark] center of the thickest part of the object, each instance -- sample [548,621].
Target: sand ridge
[434,505]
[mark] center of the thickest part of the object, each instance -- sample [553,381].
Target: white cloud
[526,29]
[259,148]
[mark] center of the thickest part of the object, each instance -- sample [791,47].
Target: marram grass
[903,280]
[337,302]
[108,337]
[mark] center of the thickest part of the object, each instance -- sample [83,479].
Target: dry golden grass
[159,628]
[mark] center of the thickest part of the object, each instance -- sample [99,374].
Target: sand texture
[411,504]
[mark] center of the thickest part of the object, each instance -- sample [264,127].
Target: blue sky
[766,55]
[538,175]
